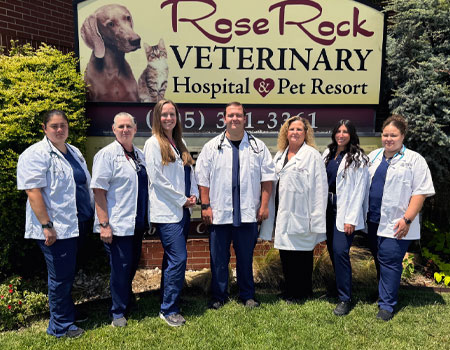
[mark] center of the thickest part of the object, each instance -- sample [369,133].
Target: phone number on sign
[271,121]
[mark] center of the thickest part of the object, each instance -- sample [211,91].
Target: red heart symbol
[263,86]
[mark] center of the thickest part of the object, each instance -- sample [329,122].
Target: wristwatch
[49,224]
[408,222]
[104,224]
[205,206]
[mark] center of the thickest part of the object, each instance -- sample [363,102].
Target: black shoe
[251,303]
[215,304]
[384,315]
[343,308]
[74,333]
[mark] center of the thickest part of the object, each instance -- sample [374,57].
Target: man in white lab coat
[234,172]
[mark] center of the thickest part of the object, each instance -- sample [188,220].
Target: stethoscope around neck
[401,153]
[250,139]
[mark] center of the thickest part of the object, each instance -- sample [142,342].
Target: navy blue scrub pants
[173,239]
[244,240]
[124,253]
[390,256]
[338,245]
[60,258]
[342,264]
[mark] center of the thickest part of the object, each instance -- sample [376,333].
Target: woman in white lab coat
[347,172]
[301,200]
[400,180]
[56,180]
[173,192]
[120,184]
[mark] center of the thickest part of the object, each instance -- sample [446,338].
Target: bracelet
[205,206]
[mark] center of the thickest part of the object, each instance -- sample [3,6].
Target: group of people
[302,196]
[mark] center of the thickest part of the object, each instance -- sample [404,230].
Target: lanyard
[401,152]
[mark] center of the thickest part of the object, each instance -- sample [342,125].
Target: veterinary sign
[275,52]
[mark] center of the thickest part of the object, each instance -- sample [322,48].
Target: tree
[31,82]
[418,69]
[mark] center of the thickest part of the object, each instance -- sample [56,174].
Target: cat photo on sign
[152,83]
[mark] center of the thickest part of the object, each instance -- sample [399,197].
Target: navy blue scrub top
[332,170]
[236,184]
[142,201]
[83,199]
[187,180]
[376,192]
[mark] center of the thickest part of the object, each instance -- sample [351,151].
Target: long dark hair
[355,153]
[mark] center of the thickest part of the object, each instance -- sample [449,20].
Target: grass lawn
[423,322]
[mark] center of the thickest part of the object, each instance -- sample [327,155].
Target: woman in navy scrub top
[347,175]
[120,184]
[173,192]
[400,180]
[59,208]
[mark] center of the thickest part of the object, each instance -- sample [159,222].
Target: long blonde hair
[282,135]
[167,152]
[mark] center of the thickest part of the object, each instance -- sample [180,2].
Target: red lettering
[223,26]
[357,26]
[244,24]
[260,26]
[342,32]
[194,21]
[282,5]
[324,25]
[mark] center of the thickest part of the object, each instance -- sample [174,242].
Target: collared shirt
[214,171]
[167,184]
[113,172]
[351,188]
[43,166]
[407,175]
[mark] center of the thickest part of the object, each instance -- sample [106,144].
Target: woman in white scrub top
[301,201]
[400,180]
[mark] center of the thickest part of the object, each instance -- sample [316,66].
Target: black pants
[297,269]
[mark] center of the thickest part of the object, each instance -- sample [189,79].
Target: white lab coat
[303,193]
[167,184]
[406,176]
[214,170]
[116,174]
[351,187]
[43,166]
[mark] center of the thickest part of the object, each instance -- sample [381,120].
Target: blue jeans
[244,240]
[60,258]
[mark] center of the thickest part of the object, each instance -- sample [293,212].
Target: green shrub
[17,303]
[31,82]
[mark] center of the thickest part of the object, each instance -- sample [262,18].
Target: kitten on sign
[152,83]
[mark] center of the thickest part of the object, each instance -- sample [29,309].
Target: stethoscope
[250,139]
[401,153]
[55,155]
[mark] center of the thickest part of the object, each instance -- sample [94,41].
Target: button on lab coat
[303,193]
[351,187]
[406,176]
[43,166]
[116,174]
[167,185]
[214,170]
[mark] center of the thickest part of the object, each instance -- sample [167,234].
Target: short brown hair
[236,104]
[398,121]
